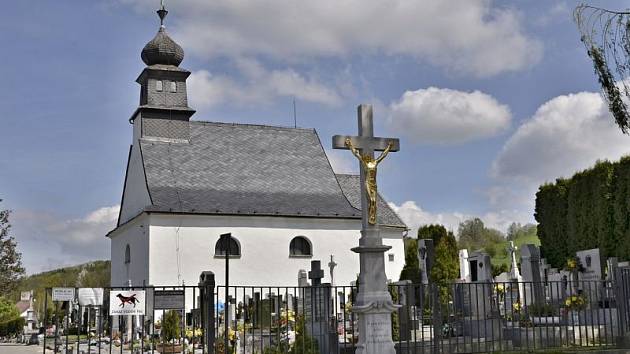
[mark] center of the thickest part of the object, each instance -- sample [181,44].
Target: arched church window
[158,85]
[300,246]
[127,254]
[221,247]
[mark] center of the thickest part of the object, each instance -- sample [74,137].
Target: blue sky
[489,98]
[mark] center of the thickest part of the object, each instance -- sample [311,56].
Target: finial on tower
[162,13]
[162,49]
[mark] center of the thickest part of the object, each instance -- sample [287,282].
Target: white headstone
[464,269]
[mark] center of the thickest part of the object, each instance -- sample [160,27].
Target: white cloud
[445,116]
[258,86]
[469,37]
[342,162]
[567,134]
[48,241]
[414,217]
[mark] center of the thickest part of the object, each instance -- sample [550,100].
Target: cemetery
[531,308]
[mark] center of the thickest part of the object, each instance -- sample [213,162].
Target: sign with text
[91,296]
[126,302]
[168,300]
[63,294]
[25,296]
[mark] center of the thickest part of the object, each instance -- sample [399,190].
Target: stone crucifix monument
[373,304]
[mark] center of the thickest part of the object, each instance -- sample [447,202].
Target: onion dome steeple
[162,49]
[163,109]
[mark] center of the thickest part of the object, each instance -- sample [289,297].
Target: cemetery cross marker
[373,303]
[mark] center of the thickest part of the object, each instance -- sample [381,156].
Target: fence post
[437,316]
[206,288]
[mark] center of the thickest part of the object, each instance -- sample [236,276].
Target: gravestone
[318,311]
[464,268]
[426,257]
[480,286]
[590,278]
[515,274]
[612,264]
[533,287]
[544,270]
[557,285]
[331,269]
[405,296]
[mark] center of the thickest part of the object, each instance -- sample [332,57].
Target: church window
[300,246]
[234,248]
[158,85]
[173,86]
[127,254]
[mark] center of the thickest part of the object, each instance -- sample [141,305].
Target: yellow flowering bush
[193,333]
[575,302]
[500,289]
[517,307]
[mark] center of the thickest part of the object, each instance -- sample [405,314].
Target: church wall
[134,234]
[136,196]
[264,243]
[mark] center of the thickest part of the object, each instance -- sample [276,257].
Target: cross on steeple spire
[162,13]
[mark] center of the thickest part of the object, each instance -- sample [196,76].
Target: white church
[273,188]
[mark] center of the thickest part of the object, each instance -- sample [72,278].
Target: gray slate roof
[350,185]
[228,168]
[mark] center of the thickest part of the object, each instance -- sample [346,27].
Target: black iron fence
[432,318]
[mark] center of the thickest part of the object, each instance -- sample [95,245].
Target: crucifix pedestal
[373,303]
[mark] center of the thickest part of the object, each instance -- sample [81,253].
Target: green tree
[411,270]
[10,321]
[474,235]
[10,259]
[171,326]
[446,265]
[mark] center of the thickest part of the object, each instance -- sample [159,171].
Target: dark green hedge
[589,210]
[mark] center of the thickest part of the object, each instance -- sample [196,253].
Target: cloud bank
[471,37]
[445,116]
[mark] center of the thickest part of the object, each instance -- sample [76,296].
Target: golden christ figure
[369,165]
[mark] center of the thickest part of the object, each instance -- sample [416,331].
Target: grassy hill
[88,275]
[501,254]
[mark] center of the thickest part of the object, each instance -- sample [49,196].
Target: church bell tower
[163,112]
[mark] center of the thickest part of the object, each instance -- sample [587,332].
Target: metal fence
[69,327]
[432,318]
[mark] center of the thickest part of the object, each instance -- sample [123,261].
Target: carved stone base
[373,305]
[375,333]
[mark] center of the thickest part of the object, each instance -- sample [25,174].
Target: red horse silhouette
[131,300]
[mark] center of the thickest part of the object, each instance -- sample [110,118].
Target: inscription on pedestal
[378,331]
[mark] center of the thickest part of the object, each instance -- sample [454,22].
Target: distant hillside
[501,254]
[88,275]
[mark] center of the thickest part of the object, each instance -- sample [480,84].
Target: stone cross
[373,303]
[514,273]
[366,143]
[331,267]
[316,273]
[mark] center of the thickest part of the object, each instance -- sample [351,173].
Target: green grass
[502,257]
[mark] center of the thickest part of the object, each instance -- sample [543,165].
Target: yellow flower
[517,306]
[232,334]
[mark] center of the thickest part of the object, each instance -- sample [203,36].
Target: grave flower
[517,307]
[575,302]
[574,264]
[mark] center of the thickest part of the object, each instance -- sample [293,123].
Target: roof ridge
[267,126]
